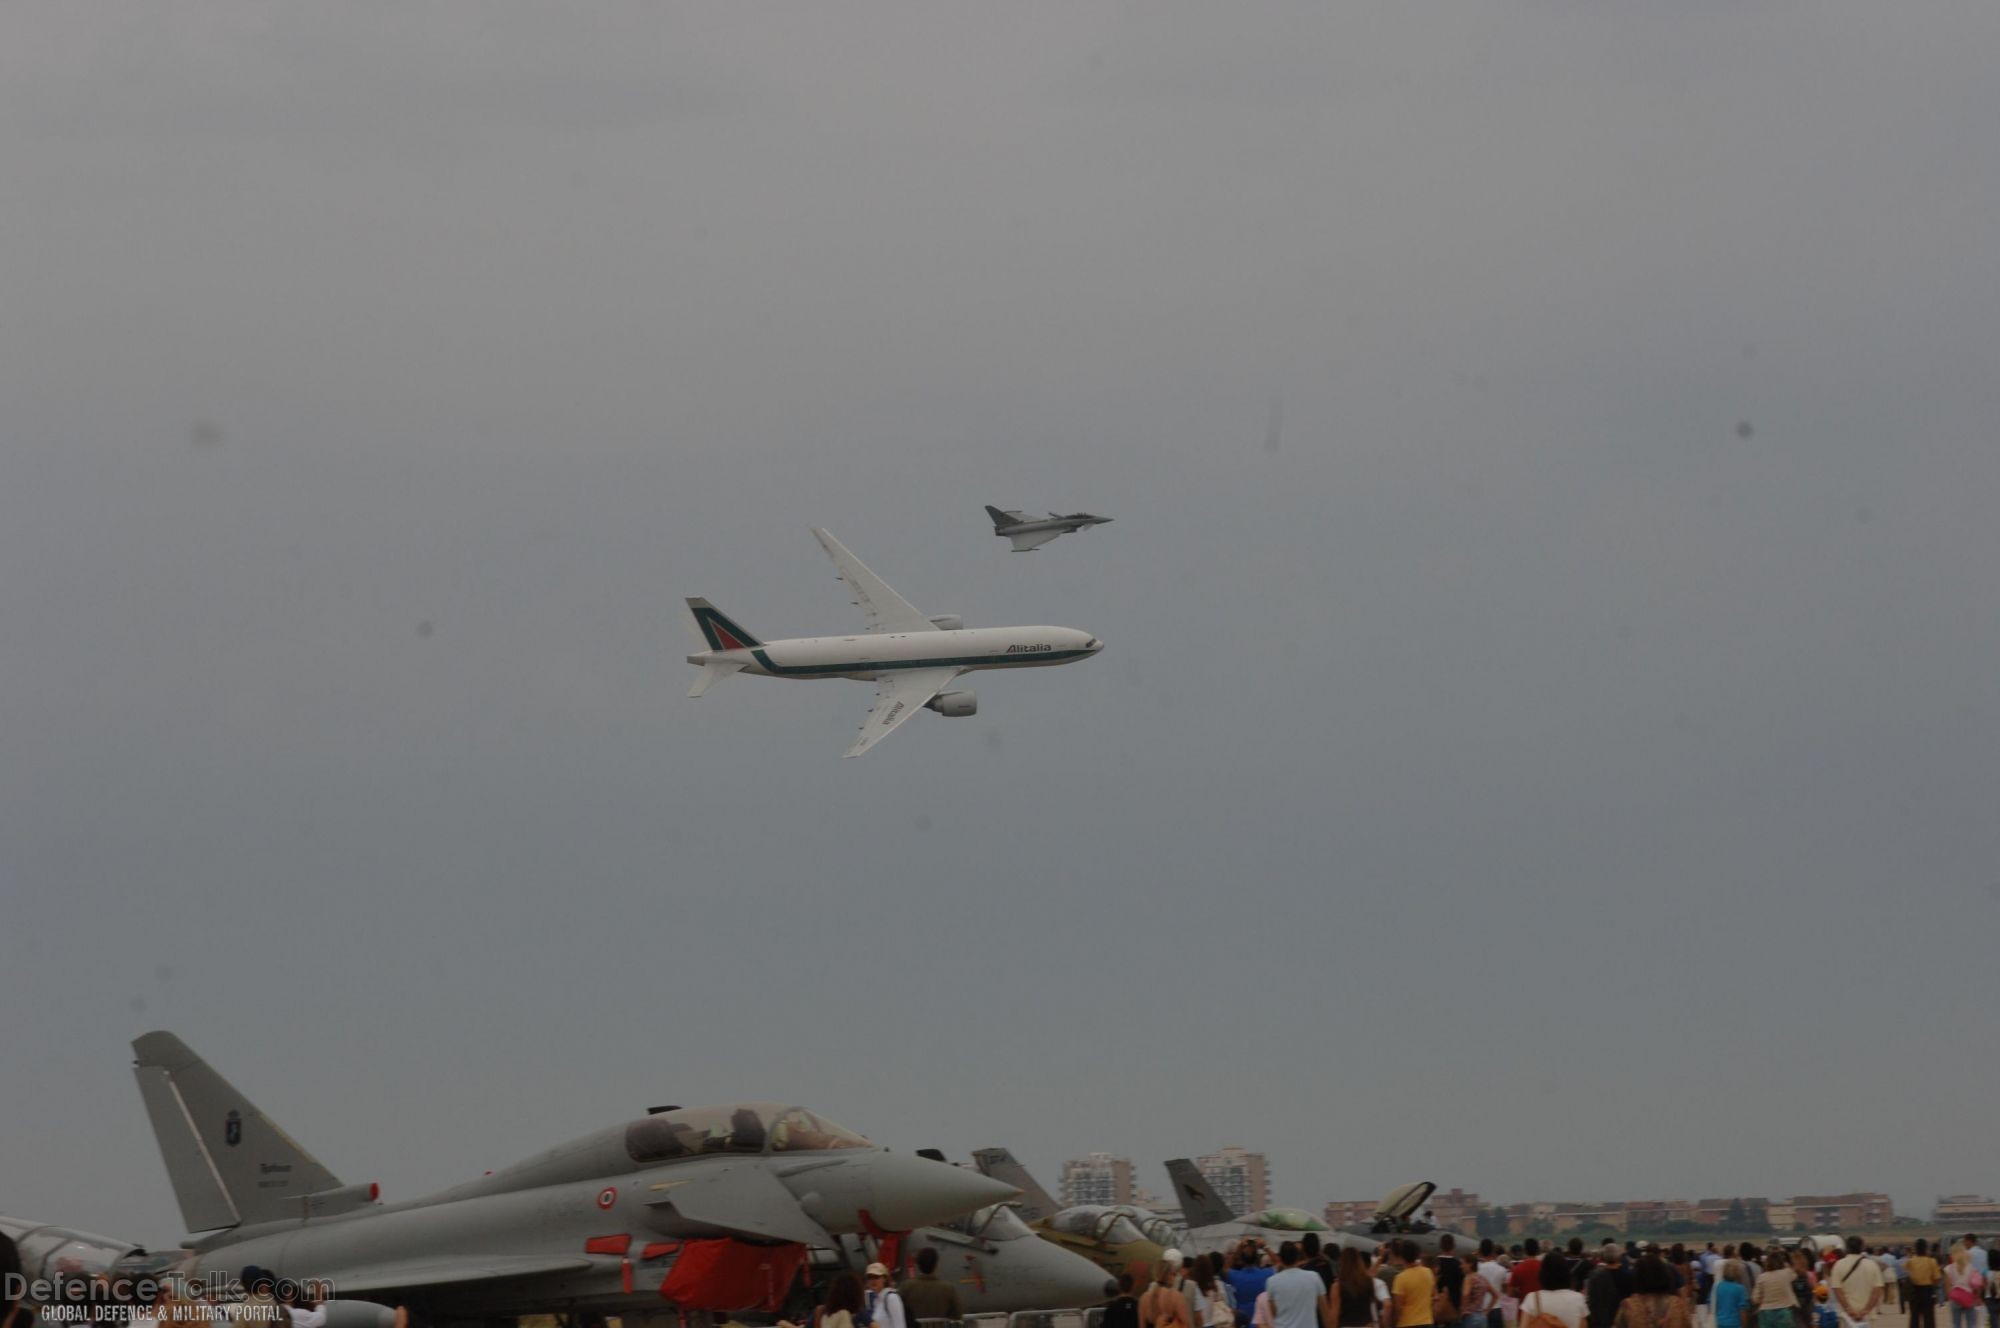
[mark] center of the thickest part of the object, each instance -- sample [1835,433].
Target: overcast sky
[1547,740]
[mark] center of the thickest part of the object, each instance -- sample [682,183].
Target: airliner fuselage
[870,655]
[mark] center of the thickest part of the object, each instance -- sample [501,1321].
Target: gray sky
[1547,740]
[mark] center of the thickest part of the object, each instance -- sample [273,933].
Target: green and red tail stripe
[718,629]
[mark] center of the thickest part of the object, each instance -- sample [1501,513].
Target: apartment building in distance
[1807,1212]
[1242,1179]
[1841,1212]
[1096,1178]
[1967,1212]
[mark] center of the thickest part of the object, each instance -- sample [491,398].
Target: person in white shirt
[1555,1298]
[1857,1285]
[1495,1274]
[884,1304]
[305,1316]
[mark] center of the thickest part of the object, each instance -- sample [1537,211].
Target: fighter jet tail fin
[1001,520]
[1200,1204]
[230,1166]
[716,630]
[1034,1203]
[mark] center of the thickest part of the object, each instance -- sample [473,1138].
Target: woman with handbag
[1555,1304]
[1163,1305]
[1965,1289]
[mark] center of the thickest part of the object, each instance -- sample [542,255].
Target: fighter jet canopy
[1289,1219]
[738,1127]
[1099,1222]
[996,1223]
[1399,1204]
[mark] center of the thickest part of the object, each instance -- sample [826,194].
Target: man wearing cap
[884,1307]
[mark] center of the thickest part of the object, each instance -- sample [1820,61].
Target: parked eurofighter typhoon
[1031,532]
[909,657]
[707,1209]
[1213,1225]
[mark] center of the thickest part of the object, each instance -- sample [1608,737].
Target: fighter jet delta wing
[411,1274]
[897,697]
[883,608]
[1033,539]
[748,1199]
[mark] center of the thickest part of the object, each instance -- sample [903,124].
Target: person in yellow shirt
[1410,1294]
[1924,1275]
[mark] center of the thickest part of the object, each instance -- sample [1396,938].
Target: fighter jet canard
[701,1209]
[1029,533]
[911,658]
[1118,1238]
[1212,1224]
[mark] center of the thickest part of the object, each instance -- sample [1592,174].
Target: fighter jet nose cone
[917,1192]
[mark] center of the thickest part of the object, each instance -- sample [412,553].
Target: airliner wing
[1035,540]
[897,697]
[884,609]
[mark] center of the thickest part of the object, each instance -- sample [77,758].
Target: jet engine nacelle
[947,622]
[956,705]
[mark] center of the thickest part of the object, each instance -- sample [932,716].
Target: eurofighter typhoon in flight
[1031,532]
[700,1210]
[911,658]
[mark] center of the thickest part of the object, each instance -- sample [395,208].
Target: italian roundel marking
[607,1196]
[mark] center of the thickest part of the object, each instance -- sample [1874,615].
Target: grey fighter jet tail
[230,1166]
[1199,1202]
[1001,519]
[1034,1203]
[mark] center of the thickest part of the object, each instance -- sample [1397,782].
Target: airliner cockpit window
[797,1130]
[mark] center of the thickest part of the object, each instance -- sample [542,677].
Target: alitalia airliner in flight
[911,658]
